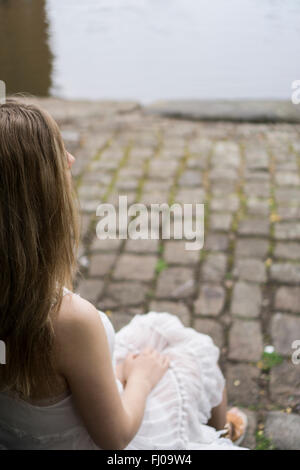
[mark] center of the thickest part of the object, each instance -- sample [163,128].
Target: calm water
[150,49]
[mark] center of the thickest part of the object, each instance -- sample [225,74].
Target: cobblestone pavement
[243,288]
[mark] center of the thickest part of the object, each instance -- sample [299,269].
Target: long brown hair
[38,242]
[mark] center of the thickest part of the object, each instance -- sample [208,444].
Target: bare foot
[236,425]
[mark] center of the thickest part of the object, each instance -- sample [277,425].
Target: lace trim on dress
[49,439]
[183,427]
[43,403]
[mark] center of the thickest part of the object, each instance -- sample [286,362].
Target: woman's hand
[148,366]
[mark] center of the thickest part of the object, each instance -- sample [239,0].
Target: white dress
[176,409]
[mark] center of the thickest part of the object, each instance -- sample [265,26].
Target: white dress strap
[67,291]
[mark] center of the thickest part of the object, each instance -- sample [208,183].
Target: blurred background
[150,49]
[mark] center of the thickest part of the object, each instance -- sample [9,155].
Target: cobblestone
[251,248]
[135,268]
[250,270]
[285,272]
[257,188]
[287,250]
[250,438]
[285,178]
[190,178]
[119,294]
[285,384]
[220,222]
[190,196]
[287,231]
[90,289]
[211,328]
[242,384]
[285,330]
[257,207]
[105,245]
[229,203]
[288,298]
[283,430]
[142,246]
[216,242]
[254,227]
[246,300]
[214,267]
[245,341]
[175,283]
[210,301]
[287,213]
[287,196]
[175,253]
[101,264]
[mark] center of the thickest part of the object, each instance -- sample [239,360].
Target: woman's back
[50,423]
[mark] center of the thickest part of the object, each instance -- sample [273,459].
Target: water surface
[151,49]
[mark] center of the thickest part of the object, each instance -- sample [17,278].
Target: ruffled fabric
[180,405]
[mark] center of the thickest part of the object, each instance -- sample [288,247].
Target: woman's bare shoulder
[74,309]
[76,325]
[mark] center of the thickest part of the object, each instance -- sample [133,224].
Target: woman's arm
[83,358]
